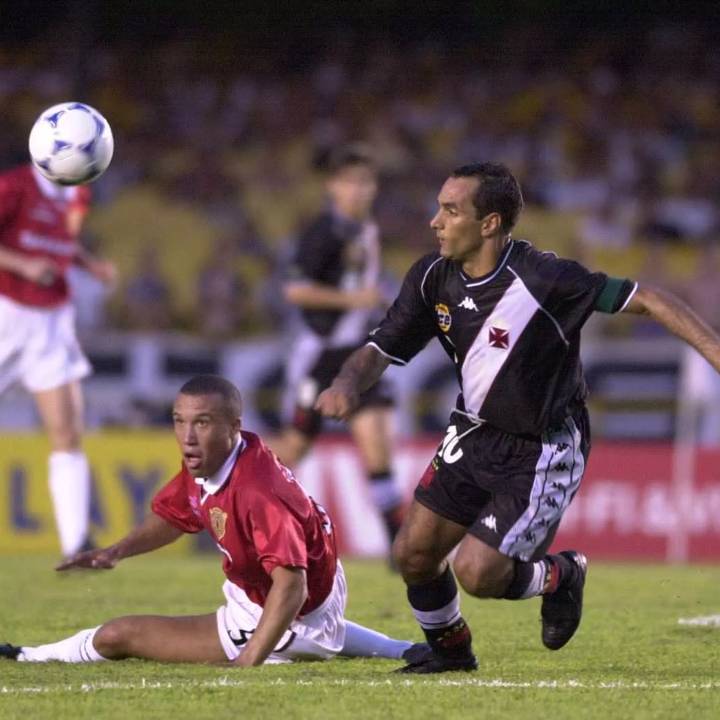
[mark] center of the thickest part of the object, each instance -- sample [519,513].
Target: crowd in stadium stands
[616,142]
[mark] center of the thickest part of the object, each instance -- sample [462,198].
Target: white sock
[76,649]
[364,642]
[69,480]
[445,616]
[537,582]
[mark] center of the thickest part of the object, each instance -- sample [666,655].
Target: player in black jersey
[509,317]
[334,280]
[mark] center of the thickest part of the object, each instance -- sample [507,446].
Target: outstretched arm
[286,597]
[151,534]
[679,319]
[314,295]
[359,372]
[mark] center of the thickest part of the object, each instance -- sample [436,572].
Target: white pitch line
[408,682]
[701,621]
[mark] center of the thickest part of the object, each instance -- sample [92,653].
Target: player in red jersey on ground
[39,226]
[285,589]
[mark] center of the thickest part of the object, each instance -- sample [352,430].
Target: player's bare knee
[114,638]
[415,565]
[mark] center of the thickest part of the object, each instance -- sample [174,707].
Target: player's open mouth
[193,460]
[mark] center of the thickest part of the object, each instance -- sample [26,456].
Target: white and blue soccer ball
[71,143]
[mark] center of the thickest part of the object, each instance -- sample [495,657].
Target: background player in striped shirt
[509,317]
[334,281]
[39,227]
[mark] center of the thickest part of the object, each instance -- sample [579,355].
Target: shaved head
[215,385]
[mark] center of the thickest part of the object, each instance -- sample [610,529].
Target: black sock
[393,521]
[522,578]
[539,578]
[436,607]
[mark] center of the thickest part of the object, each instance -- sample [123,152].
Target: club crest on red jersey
[218,520]
[499,338]
[444,317]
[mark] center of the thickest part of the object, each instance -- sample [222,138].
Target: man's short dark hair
[215,385]
[347,156]
[498,191]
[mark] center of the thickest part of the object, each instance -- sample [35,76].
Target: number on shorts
[450,450]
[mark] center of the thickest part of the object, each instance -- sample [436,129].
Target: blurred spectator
[620,129]
[147,303]
[222,295]
[606,227]
[88,293]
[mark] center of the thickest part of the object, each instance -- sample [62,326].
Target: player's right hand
[98,559]
[40,270]
[336,402]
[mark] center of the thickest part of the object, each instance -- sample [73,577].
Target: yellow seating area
[142,221]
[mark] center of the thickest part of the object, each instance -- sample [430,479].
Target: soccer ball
[71,143]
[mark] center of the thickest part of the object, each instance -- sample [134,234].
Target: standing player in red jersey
[285,589]
[39,225]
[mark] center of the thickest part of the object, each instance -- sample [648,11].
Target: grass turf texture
[630,658]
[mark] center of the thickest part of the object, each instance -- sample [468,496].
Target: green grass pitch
[629,659]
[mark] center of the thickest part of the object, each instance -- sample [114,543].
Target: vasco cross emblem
[499,338]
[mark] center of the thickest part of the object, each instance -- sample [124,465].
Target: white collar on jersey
[212,484]
[474,282]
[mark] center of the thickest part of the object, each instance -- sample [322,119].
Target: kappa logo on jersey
[444,317]
[490,522]
[469,304]
[499,338]
[218,521]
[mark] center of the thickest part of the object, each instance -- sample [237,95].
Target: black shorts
[508,490]
[305,418]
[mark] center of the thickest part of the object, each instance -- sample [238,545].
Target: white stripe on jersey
[558,473]
[351,327]
[398,360]
[427,272]
[546,313]
[629,298]
[483,361]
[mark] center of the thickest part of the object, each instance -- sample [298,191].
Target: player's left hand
[98,559]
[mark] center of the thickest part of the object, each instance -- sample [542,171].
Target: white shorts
[319,635]
[38,347]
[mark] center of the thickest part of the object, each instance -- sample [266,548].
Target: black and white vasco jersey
[514,334]
[346,255]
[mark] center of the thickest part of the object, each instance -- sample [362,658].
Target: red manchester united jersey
[34,221]
[260,519]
